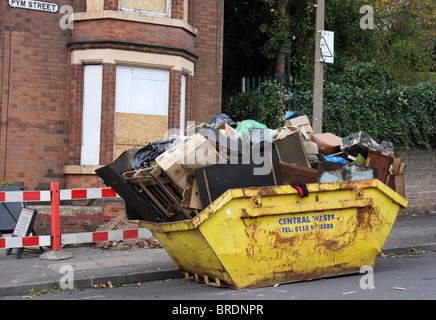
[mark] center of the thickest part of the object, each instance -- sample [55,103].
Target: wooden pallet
[164,195]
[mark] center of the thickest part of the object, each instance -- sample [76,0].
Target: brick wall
[420,179]
[41,93]
[75,116]
[73,219]
[129,31]
[208,17]
[107,131]
[34,100]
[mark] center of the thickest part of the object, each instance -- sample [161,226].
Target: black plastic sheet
[144,156]
[218,119]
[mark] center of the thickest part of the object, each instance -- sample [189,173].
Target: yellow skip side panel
[262,236]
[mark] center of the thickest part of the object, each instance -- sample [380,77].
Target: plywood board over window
[137,130]
[156,6]
[141,107]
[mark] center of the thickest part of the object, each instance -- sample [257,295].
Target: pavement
[95,267]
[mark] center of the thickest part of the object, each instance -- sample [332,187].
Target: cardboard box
[181,161]
[301,123]
[231,132]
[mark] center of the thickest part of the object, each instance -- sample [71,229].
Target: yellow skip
[262,236]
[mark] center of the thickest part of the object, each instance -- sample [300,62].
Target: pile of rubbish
[119,223]
[176,178]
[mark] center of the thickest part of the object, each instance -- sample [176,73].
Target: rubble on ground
[176,178]
[120,223]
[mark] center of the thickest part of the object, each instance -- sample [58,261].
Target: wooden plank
[175,201]
[399,184]
[396,166]
[139,206]
[292,172]
[381,161]
[154,200]
[134,130]
[402,167]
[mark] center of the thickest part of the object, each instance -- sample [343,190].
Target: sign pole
[319,70]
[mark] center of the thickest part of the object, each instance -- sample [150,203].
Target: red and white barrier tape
[56,239]
[67,194]
[74,238]
[20,242]
[85,237]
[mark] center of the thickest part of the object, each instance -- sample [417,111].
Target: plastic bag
[144,156]
[217,120]
[292,114]
[334,159]
[246,126]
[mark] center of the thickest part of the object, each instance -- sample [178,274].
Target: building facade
[83,80]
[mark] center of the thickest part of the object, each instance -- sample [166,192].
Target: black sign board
[9,212]
[16,219]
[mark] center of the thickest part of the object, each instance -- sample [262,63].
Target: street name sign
[34,5]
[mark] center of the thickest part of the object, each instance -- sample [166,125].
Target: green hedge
[265,104]
[365,97]
[368,97]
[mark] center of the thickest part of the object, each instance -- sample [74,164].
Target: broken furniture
[155,185]
[138,206]
[214,180]
[290,150]
[293,172]
[327,143]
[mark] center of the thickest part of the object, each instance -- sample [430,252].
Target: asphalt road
[408,277]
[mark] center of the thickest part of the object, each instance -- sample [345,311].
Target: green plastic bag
[245,127]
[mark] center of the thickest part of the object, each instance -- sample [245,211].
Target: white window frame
[149,13]
[183,105]
[163,76]
[91,115]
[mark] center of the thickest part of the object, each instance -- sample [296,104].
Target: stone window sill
[77,169]
[130,16]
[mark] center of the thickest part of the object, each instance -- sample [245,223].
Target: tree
[242,39]
[408,30]
[277,37]
[290,34]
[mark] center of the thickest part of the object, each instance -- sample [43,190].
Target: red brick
[42,93]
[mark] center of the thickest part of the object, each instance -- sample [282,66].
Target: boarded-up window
[141,107]
[156,7]
[92,90]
